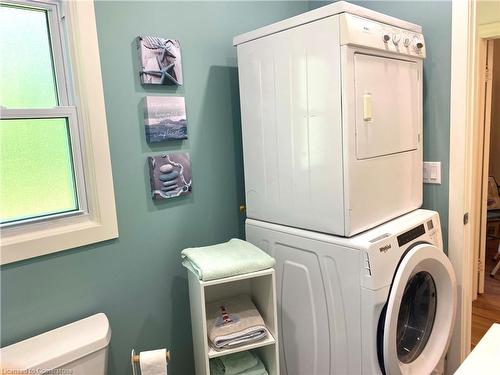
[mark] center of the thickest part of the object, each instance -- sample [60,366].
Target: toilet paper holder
[136,357]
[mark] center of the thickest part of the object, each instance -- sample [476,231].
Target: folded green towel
[242,363]
[258,369]
[231,258]
[234,364]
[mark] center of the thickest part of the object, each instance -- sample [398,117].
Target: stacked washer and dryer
[331,107]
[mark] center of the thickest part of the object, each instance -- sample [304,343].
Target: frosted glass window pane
[36,169]
[26,70]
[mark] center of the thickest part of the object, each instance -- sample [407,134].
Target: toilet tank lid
[58,347]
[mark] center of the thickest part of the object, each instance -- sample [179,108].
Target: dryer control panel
[363,32]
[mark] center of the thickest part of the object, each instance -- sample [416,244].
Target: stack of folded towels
[234,322]
[231,258]
[242,363]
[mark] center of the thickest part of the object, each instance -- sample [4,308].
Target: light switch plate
[432,172]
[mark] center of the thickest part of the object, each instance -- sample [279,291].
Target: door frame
[478,203]
[467,41]
[481,161]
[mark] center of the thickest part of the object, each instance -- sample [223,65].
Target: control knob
[418,43]
[396,38]
[386,38]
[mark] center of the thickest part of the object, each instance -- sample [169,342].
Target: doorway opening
[486,231]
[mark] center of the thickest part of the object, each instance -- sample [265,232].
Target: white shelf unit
[261,287]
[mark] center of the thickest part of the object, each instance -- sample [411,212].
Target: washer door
[420,312]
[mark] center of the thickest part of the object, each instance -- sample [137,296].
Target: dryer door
[388,105]
[420,312]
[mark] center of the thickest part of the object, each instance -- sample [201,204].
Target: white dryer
[331,108]
[380,302]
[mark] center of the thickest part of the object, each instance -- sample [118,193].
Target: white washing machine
[331,108]
[379,302]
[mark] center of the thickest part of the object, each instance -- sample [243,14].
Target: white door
[388,101]
[420,312]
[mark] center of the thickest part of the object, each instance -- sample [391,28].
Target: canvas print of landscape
[165,118]
[170,175]
[160,61]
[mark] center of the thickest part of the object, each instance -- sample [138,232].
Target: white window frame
[95,220]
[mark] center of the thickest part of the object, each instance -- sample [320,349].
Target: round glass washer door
[420,312]
[416,316]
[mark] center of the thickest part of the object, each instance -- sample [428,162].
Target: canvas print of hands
[160,61]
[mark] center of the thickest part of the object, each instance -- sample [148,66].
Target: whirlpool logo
[385,249]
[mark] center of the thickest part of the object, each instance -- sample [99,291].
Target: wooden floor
[486,309]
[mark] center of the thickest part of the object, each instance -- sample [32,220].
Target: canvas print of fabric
[160,61]
[165,118]
[170,175]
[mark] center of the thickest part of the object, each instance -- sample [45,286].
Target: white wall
[488,11]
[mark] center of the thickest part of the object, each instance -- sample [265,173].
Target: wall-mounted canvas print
[170,175]
[160,61]
[165,118]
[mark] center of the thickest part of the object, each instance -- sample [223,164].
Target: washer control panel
[411,235]
[355,30]
[386,244]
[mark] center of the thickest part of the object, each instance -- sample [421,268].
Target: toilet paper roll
[153,362]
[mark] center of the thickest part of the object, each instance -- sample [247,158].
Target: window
[38,128]
[48,141]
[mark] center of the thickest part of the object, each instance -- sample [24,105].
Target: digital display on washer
[406,237]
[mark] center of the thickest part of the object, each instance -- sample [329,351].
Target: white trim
[463,80]
[477,173]
[489,31]
[100,223]
[58,55]
[482,160]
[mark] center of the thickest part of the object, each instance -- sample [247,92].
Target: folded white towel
[234,322]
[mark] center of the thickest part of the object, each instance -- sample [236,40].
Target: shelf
[269,340]
[261,287]
[244,276]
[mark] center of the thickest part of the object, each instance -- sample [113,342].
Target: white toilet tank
[79,348]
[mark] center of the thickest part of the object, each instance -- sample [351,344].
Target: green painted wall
[137,280]
[435,19]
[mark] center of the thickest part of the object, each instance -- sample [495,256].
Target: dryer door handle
[367,107]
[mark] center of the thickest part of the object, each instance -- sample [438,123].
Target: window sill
[57,237]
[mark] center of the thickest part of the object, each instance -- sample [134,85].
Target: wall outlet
[432,172]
